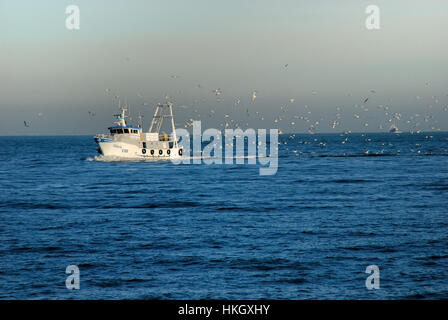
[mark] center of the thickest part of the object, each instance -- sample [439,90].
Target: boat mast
[155,120]
[159,115]
[172,124]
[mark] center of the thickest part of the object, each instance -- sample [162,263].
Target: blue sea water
[155,230]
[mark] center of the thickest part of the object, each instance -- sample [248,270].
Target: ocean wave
[362,155]
[154,205]
[32,205]
[352,181]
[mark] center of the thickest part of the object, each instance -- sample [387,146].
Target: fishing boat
[394,129]
[130,142]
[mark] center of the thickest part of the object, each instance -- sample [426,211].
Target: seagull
[254,95]
[237,102]
[334,124]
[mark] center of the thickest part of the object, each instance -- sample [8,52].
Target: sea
[346,216]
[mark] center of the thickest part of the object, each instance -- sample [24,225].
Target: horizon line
[284,133]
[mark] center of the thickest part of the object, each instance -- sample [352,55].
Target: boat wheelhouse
[123,130]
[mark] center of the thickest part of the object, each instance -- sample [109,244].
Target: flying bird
[254,95]
[237,102]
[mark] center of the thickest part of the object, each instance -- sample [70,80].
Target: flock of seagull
[236,114]
[287,116]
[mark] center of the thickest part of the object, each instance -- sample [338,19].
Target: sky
[312,64]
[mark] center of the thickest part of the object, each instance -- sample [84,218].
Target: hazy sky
[143,50]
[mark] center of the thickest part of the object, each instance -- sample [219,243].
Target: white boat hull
[131,151]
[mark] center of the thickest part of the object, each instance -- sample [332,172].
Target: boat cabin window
[121,131]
